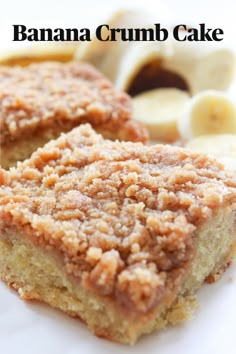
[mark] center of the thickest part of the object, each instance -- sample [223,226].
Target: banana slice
[221,146]
[209,112]
[159,111]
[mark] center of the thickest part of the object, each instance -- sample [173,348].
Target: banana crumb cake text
[40,101]
[117,233]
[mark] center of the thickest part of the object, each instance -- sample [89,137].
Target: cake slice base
[36,274]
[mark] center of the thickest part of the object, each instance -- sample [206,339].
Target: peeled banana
[196,65]
[203,67]
[209,112]
[159,111]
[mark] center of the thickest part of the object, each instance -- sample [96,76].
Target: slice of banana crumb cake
[117,233]
[43,100]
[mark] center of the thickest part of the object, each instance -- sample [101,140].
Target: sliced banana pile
[208,124]
[209,112]
[205,122]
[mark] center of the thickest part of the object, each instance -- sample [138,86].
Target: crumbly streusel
[60,96]
[121,215]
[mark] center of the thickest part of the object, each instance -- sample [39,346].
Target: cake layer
[133,229]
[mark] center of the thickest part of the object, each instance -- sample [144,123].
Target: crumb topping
[122,215]
[60,96]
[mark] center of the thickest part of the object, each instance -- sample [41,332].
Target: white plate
[34,328]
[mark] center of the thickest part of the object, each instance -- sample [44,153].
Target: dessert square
[40,101]
[118,234]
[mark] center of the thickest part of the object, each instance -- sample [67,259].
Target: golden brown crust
[60,96]
[121,216]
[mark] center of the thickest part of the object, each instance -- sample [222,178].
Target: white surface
[32,328]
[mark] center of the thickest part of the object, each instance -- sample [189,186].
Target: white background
[32,328]
[79,13]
